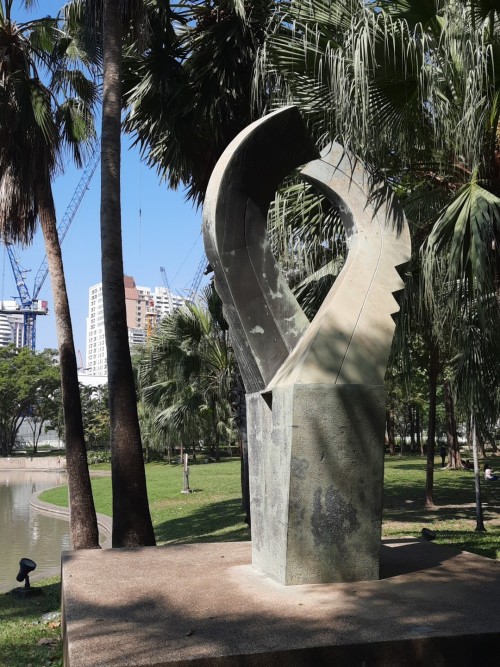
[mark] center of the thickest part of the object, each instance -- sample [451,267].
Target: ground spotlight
[26,565]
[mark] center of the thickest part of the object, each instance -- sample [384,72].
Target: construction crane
[200,271]
[169,293]
[29,305]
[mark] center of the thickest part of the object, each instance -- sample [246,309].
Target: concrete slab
[204,604]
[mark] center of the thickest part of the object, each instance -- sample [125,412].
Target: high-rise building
[11,325]
[144,309]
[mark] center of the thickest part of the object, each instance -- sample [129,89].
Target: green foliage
[45,110]
[187,379]
[95,414]
[412,89]
[188,89]
[29,384]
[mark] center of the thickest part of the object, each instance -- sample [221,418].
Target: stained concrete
[316,511]
[203,604]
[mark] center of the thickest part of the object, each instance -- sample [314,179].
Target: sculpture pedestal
[316,465]
[203,605]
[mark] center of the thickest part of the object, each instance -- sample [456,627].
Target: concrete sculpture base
[203,605]
[316,480]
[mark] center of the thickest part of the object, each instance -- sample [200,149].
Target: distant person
[488,474]
[467,465]
[443,451]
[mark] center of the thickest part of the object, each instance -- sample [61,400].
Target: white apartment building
[144,309]
[11,325]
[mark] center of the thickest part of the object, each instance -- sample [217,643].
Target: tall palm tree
[132,525]
[36,125]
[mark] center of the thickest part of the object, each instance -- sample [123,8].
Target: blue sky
[159,229]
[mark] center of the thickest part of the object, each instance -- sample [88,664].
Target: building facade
[11,325]
[144,307]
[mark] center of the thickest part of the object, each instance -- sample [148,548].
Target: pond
[24,532]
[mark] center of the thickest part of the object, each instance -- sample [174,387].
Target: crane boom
[29,304]
[169,293]
[195,285]
[69,214]
[29,307]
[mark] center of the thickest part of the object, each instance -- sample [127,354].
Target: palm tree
[189,376]
[35,128]
[101,24]
[411,87]
[132,525]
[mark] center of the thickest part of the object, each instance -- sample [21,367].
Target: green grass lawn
[454,516]
[213,511]
[26,637]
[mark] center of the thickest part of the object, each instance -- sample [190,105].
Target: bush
[98,457]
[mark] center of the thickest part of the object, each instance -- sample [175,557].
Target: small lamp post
[186,488]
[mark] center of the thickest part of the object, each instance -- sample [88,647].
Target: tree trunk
[431,431]
[240,411]
[418,428]
[391,439]
[132,524]
[454,459]
[83,521]
[411,421]
[477,481]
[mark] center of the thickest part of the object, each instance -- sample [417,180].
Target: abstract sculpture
[315,391]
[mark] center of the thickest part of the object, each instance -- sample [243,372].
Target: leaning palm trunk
[83,522]
[132,524]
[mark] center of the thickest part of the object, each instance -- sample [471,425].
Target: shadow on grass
[202,524]
[13,608]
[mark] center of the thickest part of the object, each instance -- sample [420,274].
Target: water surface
[24,532]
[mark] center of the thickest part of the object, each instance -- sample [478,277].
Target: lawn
[213,511]
[30,629]
[454,516]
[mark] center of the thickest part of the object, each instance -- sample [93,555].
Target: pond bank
[105,523]
[52,463]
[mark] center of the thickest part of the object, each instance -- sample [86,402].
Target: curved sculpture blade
[265,319]
[349,340]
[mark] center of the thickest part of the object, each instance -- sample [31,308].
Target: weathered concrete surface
[203,604]
[322,522]
[316,401]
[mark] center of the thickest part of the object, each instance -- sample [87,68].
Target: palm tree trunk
[411,421]
[132,524]
[391,437]
[83,521]
[477,481]
[418,428]
[454,459]
[431,431]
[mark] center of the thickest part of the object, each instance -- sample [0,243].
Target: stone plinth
[204,605]
[316,480]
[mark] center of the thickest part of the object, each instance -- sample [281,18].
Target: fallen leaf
[55,624]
